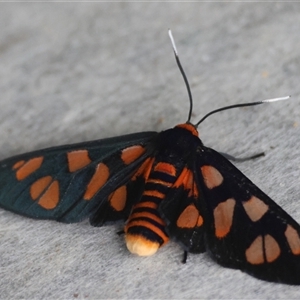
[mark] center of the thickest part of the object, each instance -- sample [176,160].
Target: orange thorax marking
[165,168]
[189,127]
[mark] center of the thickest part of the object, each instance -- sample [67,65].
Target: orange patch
[144,169]
[77,160]
[132,153]
[165,168]
[39,186]
[189,127]
[117,199]
[189,218]
[153,228]
[29,167]
[158,181]
[50,198]
[141,246]
[147,204]
[145,214]
[98,180]
[18,164]
[255,208]
[293,239]
[254,254]
[272,248]
[195,191]
[223,215]
[182,178]
[154,193]
[211,176]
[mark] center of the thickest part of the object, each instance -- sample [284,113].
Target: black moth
[167,185]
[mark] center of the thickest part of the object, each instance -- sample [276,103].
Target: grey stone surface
[72,72]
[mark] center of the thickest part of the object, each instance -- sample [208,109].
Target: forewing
[70,183]
[245,228]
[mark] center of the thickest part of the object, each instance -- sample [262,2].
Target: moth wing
[245,229]
[182,213]
[70,183]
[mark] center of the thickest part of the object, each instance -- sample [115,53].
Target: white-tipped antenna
[276,99]
[242,105]
[183,75]
[173,42]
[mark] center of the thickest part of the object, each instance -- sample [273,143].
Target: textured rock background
[71,72]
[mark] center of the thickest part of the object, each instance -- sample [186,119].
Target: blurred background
[72,72]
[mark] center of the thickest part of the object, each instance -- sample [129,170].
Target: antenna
[219,109]
[183,75]
[242,105]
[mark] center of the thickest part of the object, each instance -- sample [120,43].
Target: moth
[165,185]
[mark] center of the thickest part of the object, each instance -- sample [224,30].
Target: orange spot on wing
[18,164]
[211,176]
[272,248]
[144,169]
[132,153]
[50,198]
[78,159]
[293,239]
[189,127]
[117,199]
[165,168]
[39,186]
[263,246]
[189,218]
[223,216]
[98,180]
[254,254]
[255,208]
[29,167]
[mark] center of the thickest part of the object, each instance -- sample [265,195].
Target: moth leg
[242,159]
[185,255]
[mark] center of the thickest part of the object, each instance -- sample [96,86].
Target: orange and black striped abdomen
[145,229]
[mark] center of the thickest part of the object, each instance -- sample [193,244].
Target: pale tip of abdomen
[141,246]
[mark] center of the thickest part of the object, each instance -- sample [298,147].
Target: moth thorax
[141,246]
